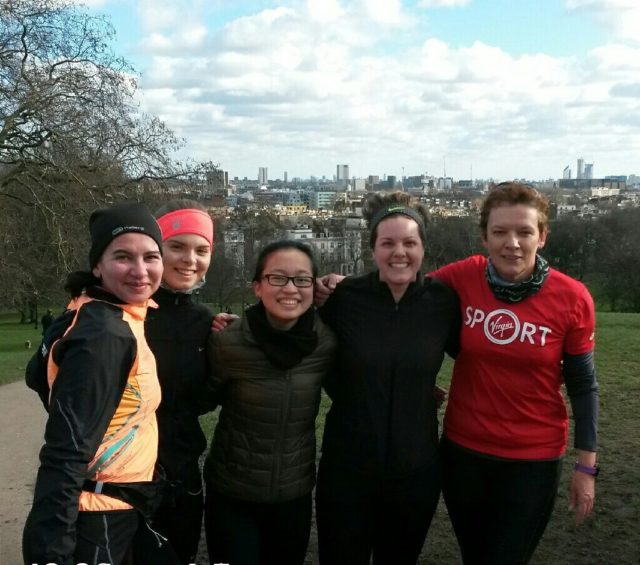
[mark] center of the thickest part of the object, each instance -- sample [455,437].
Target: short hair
[280,245]
[376,202]
[512,193]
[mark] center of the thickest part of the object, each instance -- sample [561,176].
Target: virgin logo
[501,326]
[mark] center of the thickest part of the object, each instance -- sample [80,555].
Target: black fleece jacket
[383,419]
[177,334]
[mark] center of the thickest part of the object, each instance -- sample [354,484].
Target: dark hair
[268,250]
[178,204]
[512,193]
[375,203]
[79,280]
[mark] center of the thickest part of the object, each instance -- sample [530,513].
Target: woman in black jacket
[97,463]
[177,333]
[379,478]
[268,368]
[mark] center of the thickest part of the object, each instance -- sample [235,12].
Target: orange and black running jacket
[101,426]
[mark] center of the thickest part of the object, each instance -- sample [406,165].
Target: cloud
[304,86]
[324,11]
[626,90]
[386,11]
[442,3]
[623,16]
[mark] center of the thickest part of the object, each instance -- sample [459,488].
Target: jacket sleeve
[452,346]
[330,314]
[204,398]
[582,387]
[215,356]
[36,370]
[94,361]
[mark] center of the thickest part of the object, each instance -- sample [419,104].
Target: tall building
[580,173]
[263,177]
[588,170]
[217,179]
[566,173]
[286,176]
[342,172]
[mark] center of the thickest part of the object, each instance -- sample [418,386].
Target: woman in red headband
[177,333]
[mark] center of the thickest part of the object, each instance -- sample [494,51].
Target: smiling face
[130,268]
[186,259]
[512,239]
[285,304]
[398,252]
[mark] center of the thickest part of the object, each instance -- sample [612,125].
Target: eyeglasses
[282,280]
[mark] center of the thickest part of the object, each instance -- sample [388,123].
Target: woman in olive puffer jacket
[268,369]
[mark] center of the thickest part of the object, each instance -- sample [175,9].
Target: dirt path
[22,419]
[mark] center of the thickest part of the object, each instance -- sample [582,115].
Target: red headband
[187,220]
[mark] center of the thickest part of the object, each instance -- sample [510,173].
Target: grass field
[14,354]
[611,535]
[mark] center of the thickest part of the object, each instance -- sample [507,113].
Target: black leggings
[255,533]
[499,509]
[360,515]
[120,537]
[179,517]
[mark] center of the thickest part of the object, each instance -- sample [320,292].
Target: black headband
[390,211]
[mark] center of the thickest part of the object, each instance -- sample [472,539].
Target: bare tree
[571,245]
[451,239]
[220,289]
[71,138]
[616,259]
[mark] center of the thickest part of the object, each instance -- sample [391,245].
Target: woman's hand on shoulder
[221,321]
[439,395]
[325,286]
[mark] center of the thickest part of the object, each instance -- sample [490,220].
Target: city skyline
[461,88]
[582,171]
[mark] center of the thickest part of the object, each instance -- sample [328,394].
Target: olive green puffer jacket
[264,447]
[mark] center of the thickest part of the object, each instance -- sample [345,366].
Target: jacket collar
[167,296]
[381,287]
[101,295]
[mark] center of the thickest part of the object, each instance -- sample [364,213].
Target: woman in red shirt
[527,328]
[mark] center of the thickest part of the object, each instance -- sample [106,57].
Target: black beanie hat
[108,223]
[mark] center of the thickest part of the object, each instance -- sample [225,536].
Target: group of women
[517,329]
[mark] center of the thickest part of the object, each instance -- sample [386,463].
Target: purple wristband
[593,471]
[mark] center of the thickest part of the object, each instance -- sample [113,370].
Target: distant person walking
[46,320]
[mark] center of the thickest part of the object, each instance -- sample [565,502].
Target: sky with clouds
[477,88]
